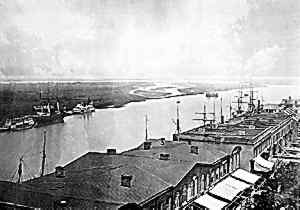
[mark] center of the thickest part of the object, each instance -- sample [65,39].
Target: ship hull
[49,120]
[20,128]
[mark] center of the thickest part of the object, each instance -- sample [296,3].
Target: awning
[245,175]
[229,188]
[261,164]
[210,202]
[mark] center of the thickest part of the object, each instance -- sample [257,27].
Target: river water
[121,128]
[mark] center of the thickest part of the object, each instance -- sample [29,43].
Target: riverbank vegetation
[17,99]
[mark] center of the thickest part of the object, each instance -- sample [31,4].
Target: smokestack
[258,106]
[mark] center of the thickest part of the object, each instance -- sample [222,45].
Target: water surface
[121,128]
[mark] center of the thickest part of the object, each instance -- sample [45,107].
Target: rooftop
[242,129]
[98,175]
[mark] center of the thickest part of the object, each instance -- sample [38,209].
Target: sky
[149,39]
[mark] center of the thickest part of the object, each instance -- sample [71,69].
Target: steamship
[48,114]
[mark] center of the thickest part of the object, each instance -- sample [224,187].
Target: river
[121,128]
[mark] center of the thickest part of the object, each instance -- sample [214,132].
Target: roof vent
[147,145]
[164,156]
[126,180]
[194,149]
[251,126]
[59,172]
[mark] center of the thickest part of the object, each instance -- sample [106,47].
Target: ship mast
[146,127]
[205,119]
[20,170]
[230,110]
[44,155]
[177,121]
[221,112]
[214,112]
[239,102]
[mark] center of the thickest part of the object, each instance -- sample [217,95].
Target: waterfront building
[158,174]
[261,134]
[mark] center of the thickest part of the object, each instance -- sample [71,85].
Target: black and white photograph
[149,104]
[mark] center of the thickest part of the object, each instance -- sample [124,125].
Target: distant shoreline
[17,99]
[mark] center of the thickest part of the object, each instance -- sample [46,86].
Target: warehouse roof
[98,175]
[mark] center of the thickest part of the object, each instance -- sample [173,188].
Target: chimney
[222,119]
[194,150]
[164,156]
[59,172]
[147,145]
[111,151]
[126,180]
[258,106]
[162,141]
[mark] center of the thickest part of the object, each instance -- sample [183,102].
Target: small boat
[208,94]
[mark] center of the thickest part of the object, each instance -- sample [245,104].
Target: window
[184,193]
[232,163]
[225,168]
[207,181]
[195,185]
[212,176]
[221,170]
[189,190]
[177,200]
[202,183]
[217,173]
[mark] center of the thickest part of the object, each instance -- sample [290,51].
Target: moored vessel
[47,115]
[19,123]
[211,94]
